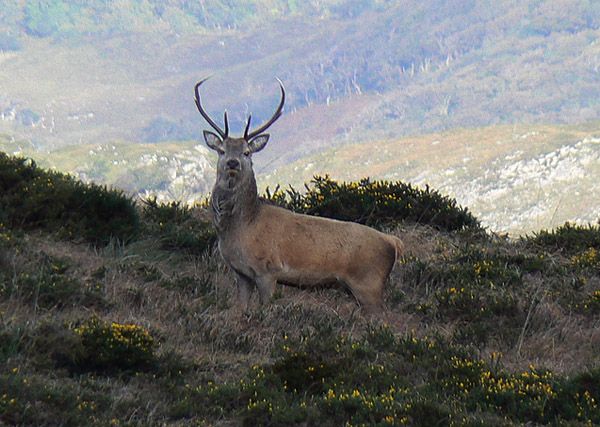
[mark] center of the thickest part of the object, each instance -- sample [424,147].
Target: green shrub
[10,341]
[8,245]
[586,259]
[114,346]
[332,380]
[383,379]
[34,400]
[472,285]
[44,286]
[591,303]
[47,288]
[177,228]
[33,198]
[376,203]
[570,238]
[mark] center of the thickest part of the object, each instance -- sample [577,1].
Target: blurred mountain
[121,73]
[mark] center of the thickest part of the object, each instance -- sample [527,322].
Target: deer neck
[236,207]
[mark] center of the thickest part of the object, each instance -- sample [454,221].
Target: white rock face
[186,176]
[190,175]
[516,192]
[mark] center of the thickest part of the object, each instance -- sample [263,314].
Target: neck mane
[234,207]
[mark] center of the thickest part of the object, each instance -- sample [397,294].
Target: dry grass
[188,305]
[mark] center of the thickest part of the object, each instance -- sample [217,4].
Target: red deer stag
[265,244]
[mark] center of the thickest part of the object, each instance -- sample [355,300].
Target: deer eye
[246,153]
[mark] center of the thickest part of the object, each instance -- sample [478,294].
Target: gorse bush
[383,379]
[176,227]
[570,238]
[579,247]
[114,346]
[33,198]
[591,303]
[466,289]
[375,203]
[30,400]
[483,287]
[587,259]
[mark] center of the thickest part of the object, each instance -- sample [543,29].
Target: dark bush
[177,228]
[570,238]
[33,198]
[376,203]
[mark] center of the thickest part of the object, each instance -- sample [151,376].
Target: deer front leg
[266,288]
[244,289]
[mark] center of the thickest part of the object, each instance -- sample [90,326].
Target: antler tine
[247,127]
[275,116]
[222,133]
[226,123]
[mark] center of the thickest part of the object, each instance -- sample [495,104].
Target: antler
[249,136]
[224,133]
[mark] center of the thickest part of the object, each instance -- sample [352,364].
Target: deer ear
[258,143]
[213,140]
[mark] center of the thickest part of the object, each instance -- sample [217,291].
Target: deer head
[235,154]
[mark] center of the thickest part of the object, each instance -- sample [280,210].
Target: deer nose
[233,164]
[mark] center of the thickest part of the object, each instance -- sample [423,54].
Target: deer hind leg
[266,288]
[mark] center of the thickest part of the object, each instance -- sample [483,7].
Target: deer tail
[398,247]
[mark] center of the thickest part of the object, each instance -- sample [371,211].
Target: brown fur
[265,244]
[279,246]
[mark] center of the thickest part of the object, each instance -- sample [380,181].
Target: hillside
[516,179]
[181,171]
[117,314]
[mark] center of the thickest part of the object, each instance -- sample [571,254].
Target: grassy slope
[206,351]
[476,329]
